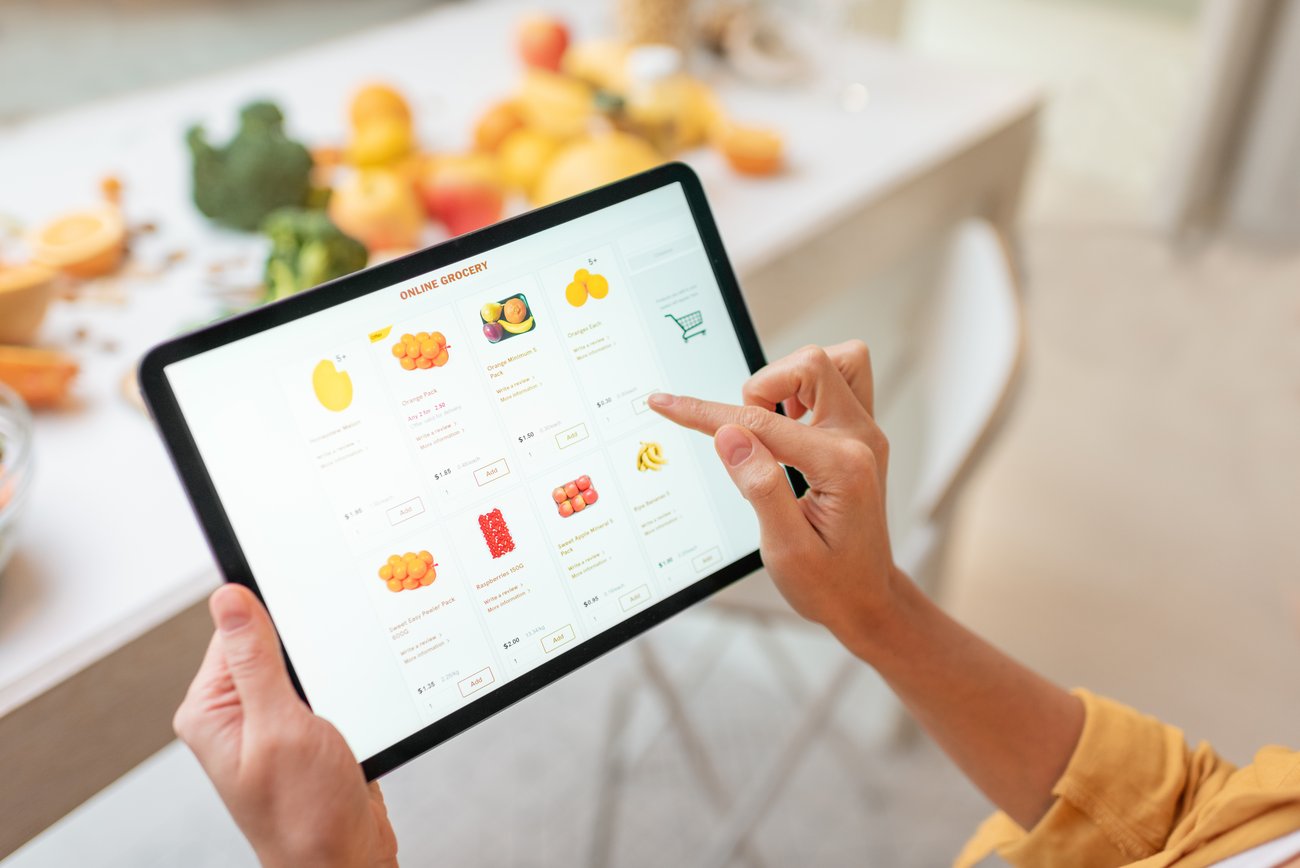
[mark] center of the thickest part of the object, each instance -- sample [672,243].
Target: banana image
[650,457]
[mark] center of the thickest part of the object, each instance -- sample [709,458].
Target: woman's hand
[828,552]
[287,776]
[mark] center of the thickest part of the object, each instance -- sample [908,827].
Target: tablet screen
[443,484]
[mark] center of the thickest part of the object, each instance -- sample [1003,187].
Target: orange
[751,150]
[427,558]
[432,574]
[377,101]
[417,568]
[581,275]
[410,584]
[426,580]
[399,571]
[499,121]
[86,243]
[516,311]
[575,294]
[429,349]
[394,560]
[439,360]
[399,350]
[438,338]
[421,337]
[598,286]
[394,585]
[408,363]
[385,572]
[423,364]
[407,338]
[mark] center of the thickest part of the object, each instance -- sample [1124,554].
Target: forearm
[1010,731]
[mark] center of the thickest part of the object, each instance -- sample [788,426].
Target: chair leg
[693,745]
[758,797]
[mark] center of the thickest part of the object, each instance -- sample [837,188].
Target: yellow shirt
[1134,794]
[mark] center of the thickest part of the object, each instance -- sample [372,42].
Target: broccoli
[257,171]
[306,250]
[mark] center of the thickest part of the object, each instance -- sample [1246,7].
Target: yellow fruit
[379,208]
[378,100]
[602,63]
[491,312]
[25,292]
[86,243]
[598,286]
[494,125]
[524,155]
[556,104]
[380,141]
[333,387]
[590,162]
[575,294]
[517,328]
[750,150]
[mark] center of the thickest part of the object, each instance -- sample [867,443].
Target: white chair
[942,392]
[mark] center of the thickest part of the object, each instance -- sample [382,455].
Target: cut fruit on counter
[42,378]
[85,244]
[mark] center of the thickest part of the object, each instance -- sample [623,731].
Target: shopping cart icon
[688,324]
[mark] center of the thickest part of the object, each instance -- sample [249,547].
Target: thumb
[251,649]
[763,482]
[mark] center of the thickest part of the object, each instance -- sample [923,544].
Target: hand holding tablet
[442,474]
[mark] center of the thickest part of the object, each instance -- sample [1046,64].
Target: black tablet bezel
[216,525]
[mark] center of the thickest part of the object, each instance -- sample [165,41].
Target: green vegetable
[307,250]
[257,171]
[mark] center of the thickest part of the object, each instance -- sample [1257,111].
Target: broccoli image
[306,250]
[257,171]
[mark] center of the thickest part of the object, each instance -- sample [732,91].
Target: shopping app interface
[444,484]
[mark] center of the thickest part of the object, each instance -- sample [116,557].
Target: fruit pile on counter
[584,113]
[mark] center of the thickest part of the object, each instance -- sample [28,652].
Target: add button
[569,436]
[476,682]
[635,598]
[563,636]
[403,511]
[710,558]
[492,472]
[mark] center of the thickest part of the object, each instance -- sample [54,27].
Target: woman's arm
[1011,731]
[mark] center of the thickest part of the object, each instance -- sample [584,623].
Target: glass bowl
[15,467]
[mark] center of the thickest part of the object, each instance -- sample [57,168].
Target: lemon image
[333,387]
[598,286]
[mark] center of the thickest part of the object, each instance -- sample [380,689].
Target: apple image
[583,482]
[589,495]
[559,495]
[493,332]
[542,42]
[566,509]
[579,503]
[571,489]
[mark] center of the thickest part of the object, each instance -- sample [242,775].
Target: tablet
[441,475]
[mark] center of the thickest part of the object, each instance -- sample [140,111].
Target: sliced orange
[86,243]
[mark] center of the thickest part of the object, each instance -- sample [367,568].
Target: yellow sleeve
[1130,779]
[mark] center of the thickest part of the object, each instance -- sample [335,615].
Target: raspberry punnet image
[496,534]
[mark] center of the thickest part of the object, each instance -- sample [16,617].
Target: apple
[583,482]
[579,504]
[542,42]
[571,490]
[377,207]
[493,332]
[462,192]
[560,495]
[589,495]
[566,509]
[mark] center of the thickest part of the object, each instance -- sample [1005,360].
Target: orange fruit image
[420,352]
[406,572]
[516,311]
[584,285]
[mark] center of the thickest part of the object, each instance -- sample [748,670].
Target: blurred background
[1070,230]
